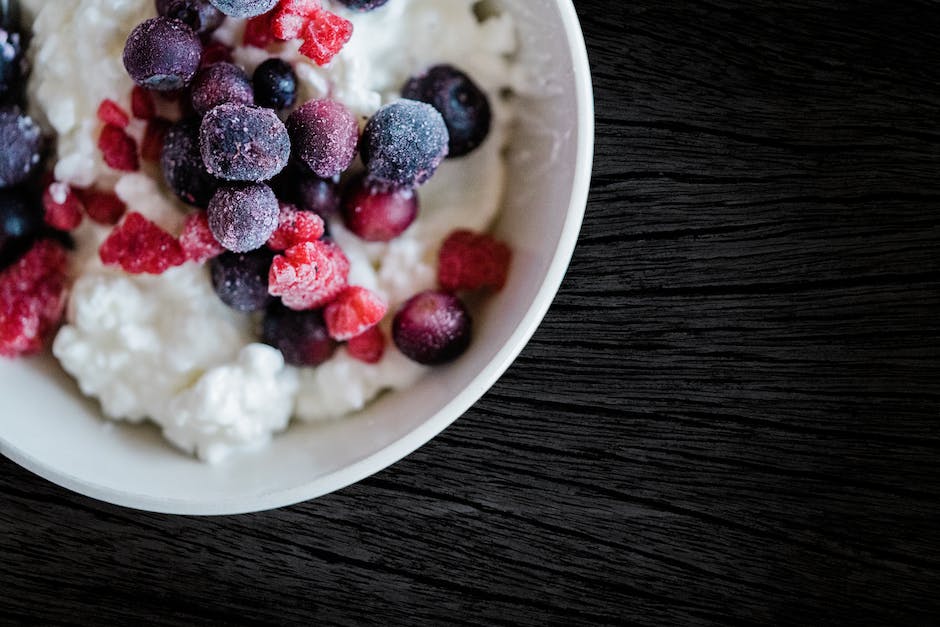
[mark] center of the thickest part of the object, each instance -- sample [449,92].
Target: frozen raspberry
[215,52]
[183,168]
[32,299]
[241,279]
[363,5]
[301,336]
[470,261]
[139,246]
[22,144]
[243,216]
[463,105]
[353,311]
[199,15]
[295,227]
[143,106]
[118,149]
[258,32]
[197,240]
[243,143]
[102,207]
[368,347]
[324,36]
[432,328]
[62,206]
[291,17]
[404,143]
[162,54]
[275,84]
[244,8]
[324,134]
[151,149]
[218,84]
[111,113]
[376,212]
[309,275]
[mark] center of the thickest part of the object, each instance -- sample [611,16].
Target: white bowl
[49,428]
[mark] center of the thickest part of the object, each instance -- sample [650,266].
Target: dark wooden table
[731,415]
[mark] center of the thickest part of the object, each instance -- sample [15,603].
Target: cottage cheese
[164,347]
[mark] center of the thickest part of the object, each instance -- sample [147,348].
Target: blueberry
[20,222]
[22,144]
[275,84]
[12,63]
[199,15]
[324,135]
[218,84]
[242,217]
[301,336]
[404,143]
[162,54]
[241,280]
[378,213]
[318,195]
[182,165]
[463,105]
[243,143]
[244,8]
[362,5]
[432,328]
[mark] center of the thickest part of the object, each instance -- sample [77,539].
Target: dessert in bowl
[542,152]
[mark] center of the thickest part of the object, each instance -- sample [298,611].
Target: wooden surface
[729,416]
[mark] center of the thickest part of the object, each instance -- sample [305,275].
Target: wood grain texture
[731,415]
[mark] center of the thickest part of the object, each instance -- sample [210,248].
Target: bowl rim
[448,414]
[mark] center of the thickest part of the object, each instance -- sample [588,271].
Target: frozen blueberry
[432,328]
[242,217]
[12,63]
[243,143]
[275,84]
[199,15]
[376,212]
[463,105]
[162,54]
[241,279]
[22,146]
[404,143]
[218,84]
[182,165]
[20,223]
[301,336]
[324,135]
[362,5]
[244,8]
[318,195]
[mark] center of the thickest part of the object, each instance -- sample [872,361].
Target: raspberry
[151,149]
[215,52]
[354,311]
[295,227]
[368,347]
[102,207]
[197,241]
[143,105]
[63,207]
[309,275]
[286,26]
[32,299]
[118,148]
[111,112]
[258,31]
[470,261]
[324,36]
[139,246]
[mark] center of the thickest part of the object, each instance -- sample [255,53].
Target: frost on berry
[368,347]
[309,275]
[197,241]
[471,261]
[62,206]
[32,299]
[353,312]
[295,227]
[138,246]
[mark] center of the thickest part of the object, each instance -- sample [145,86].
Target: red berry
[353,312]
[102,207]
[32,299]
[197,240]
[139,246]
[295,227]
[62,206]
[307,8]
[286,26]
[377,213]
[215,52]
[111,112]
[309,275]
[143,105]
[470,261]
[258,31]
[151,149]
[368,347]
[119,149]
[324,36]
